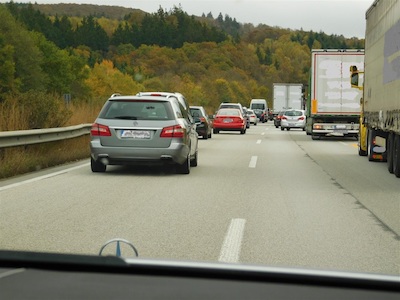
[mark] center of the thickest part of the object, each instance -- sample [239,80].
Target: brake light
[202,119]
[100,130]
[283,118]
[301,118]
[172,131]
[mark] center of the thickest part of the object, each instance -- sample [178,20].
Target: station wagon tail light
[301,118]
[172,131]
[100,130]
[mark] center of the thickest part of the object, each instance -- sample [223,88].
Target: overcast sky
[341,17]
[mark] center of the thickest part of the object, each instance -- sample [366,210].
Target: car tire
[96,166]
[243,131]
[288,128]
[193,162]
[282,128]
[185,167]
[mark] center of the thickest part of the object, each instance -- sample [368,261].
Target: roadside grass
[24,159]
[20,160]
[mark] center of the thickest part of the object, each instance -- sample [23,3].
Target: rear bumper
[286,124]
[336,129]
[176,153]
[222,126]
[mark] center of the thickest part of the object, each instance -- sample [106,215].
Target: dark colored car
[203,122]
[277,119]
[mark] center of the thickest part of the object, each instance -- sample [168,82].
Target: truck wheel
[315,137]
[396,155]
[361,152]
[389,152]
[370,144]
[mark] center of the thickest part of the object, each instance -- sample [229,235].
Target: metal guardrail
[37,136]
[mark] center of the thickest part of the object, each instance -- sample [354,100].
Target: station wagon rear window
[138,110]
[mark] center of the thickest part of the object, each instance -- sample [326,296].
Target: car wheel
[255,124]
[288,128]
[193,162]
[282,128]
[96,166]
[185,167]
[243,131]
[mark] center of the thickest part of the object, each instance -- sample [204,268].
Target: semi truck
[380,106]
[333,106]
[287,95]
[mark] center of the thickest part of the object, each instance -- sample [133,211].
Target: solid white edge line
[253,162]
[6,187]
[231,247]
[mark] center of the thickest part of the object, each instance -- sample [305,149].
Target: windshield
[258,106]
[297,193]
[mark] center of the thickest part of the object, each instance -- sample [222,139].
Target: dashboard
[34,275]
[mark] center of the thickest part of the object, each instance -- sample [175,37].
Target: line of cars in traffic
[158,128]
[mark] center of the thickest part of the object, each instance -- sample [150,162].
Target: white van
[260,108]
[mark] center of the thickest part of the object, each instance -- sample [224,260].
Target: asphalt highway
[267,197]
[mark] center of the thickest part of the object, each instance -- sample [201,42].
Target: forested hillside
[90,52]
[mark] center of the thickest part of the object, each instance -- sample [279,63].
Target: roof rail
[115,95]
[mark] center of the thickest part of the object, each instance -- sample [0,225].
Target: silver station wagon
[148,128]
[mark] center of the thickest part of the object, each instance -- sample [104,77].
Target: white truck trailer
[333,106]
[380,115]
[287,96]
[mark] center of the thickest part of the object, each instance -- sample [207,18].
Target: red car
[229,119]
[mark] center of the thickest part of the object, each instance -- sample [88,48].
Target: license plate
[340,126]
[292,124]
[135,134]
[228,120]
[344,131]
